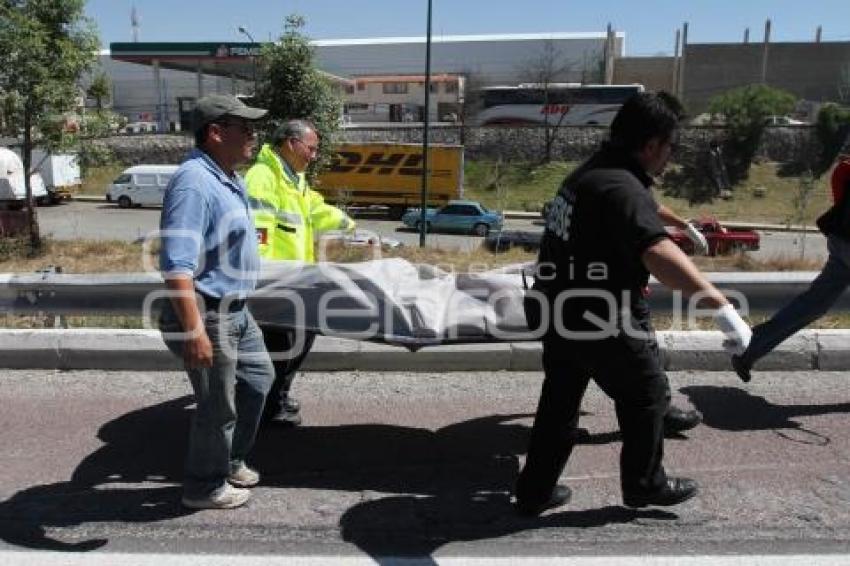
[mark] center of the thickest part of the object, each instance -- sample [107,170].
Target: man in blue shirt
[210,264]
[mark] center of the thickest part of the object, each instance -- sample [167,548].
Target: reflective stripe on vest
[291,217]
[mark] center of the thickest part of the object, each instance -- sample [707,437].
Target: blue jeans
[230,396]
[806,307]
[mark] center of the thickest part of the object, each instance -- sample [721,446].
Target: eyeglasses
[244,127]
[310,148]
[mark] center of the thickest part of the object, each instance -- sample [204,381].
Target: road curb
[143,350]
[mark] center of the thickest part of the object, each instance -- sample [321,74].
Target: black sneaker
[742,368]
[282,417]
[291,404]
[677,420]
[560,495]
[675,491]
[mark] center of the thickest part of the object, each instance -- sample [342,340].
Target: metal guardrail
[124,294]
[765,292]
[58,293]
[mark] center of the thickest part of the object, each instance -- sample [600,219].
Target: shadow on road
[456,482]
[143,446]
[427,488]
[734,409]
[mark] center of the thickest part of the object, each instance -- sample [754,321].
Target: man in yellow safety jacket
[287,213]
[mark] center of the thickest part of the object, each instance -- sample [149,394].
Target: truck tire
[124,202]
[419,226]
[480,229]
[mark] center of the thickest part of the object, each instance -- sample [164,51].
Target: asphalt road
[396,464]
[103,221]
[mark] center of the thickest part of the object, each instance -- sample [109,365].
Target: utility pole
[680,93]
[675,79]
[244,30]
[764,52]
[610,52]
[426,123]
[134,23]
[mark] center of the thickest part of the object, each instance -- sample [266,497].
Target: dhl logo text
[381,163]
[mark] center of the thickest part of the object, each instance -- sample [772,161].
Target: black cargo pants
[287,356]
[628,370]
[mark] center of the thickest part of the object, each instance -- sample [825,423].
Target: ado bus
[567,104]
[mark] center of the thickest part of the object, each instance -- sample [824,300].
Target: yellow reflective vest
[286,211]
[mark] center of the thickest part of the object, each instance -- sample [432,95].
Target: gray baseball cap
[215,106]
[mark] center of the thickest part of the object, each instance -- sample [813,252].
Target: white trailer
[12,189]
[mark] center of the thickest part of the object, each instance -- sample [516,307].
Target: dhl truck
[390,175]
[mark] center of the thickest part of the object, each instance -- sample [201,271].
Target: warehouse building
[157,83]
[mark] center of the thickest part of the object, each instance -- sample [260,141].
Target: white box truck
[12,189]
[60,173]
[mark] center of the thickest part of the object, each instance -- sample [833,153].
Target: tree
[544,71]
[832,127]
[290,86]
[100,90]
[45,46]
[745,111]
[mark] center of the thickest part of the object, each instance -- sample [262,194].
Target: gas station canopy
[222,59]
[218,59]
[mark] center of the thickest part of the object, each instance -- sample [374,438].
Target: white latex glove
[737,332]
[700,243]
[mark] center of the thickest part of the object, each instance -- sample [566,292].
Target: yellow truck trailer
[390,174]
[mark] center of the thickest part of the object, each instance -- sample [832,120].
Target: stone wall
[811,71]
[148,149]
[514,144]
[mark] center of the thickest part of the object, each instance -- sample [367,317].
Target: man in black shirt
[603,238]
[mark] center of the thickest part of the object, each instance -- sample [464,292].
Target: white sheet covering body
[393,301]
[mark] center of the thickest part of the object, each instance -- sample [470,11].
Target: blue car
[464,216]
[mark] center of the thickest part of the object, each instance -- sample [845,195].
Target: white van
[12,189]
[141,185]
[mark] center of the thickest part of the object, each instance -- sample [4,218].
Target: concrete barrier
[143,350]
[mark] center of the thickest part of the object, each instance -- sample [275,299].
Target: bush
[693,177]
[832,128]
[18,247]
[290,86]
[92,155]
[745,110]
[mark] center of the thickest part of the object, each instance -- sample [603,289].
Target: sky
[650,25]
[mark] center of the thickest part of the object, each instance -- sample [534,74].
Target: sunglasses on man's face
[244,127]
